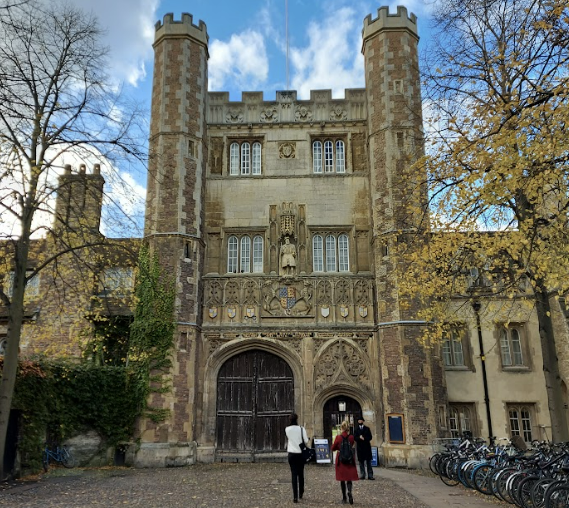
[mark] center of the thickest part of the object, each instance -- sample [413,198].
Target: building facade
[283,222]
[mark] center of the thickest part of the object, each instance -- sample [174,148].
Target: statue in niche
[288,257]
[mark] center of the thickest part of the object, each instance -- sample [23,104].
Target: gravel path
[205,485]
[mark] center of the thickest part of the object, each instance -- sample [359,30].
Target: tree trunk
[10,369]
[553,380]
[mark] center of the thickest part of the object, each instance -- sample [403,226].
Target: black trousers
[296,463]
[363,469]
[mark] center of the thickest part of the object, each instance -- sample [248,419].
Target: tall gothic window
[511,346]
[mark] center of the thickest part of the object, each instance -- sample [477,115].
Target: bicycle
[60,454]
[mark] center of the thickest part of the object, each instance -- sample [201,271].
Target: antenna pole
[286,30]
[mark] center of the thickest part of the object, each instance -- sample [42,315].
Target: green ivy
[61,399]
[58,399]
[151,333]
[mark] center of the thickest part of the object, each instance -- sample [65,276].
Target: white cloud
[243,61]
[129,33]
[332,59]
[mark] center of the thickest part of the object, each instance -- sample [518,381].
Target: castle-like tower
[281,220]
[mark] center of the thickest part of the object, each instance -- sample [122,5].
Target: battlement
[82,169]
[168,27]
[387,21]
[286,107]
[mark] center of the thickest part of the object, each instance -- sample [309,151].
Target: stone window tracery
[245,254]
[328,156]
[330,253]
[245,158]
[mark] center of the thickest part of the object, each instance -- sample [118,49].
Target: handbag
[308,454]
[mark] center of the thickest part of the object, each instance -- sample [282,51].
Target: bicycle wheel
[433,462]
[557,496]
[482,476]
[524,491]
[539,490]
[66,458]
[45,461]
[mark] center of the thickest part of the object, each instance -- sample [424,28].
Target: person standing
[346,472]
[296,435]
[362,435]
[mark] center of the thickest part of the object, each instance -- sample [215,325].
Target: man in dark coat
[362,436]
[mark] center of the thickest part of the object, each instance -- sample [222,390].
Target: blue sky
[247,41]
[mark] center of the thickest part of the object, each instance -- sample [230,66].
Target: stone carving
[234,116]
[288,257]
[341,360]
[287,150]
[287,219]
[216,156]
[361,294]
[303,114]
[214,295]
[214,345]
[270,115]
[287,300]
[250,293]
[343,292]
[338,113]
[231,293]
[324,292]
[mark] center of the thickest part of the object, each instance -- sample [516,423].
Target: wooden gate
[255,396]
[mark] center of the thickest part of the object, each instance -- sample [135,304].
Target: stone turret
[174,212]
[79,200]
[413,381]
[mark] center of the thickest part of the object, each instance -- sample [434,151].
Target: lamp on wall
[342,406]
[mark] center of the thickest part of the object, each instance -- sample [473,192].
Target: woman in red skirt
[346,473]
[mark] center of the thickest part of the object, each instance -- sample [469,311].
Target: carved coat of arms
[287,297]
[212,312]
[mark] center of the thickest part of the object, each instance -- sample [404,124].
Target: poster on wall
[374,461]
[322,451]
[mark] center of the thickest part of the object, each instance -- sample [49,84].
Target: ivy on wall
[58,398]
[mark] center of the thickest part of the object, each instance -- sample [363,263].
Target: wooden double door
[255,397]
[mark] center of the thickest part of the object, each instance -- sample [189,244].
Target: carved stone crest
[270,115]
[213,312]
[338,113]
[234,116]
[287,150]
[231,312]
[303,114]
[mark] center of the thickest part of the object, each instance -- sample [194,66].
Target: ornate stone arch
[341,361]
[228,350]
[360,394]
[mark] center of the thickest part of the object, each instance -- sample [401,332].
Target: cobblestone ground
[211,485]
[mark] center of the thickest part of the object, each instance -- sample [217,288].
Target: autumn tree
[55,100]
[496,83]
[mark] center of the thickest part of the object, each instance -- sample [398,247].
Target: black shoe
[362,477]
[371,478]
[344,501]
[350,498]
[295,500]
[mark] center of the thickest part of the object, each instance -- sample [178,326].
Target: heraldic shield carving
[287,297]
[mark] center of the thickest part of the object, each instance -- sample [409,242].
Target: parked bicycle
[60,454]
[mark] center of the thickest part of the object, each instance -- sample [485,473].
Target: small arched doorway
[255,397]
[338,409]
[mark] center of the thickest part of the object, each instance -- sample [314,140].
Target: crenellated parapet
[286,108]
[184,28]
[387,21]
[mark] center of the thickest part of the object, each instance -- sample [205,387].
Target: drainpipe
[476,307]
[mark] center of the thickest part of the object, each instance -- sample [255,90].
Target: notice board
[322,451]
[396,428]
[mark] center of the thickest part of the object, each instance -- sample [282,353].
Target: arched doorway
[338,409]
[255,396]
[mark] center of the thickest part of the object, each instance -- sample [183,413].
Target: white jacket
[295,434]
